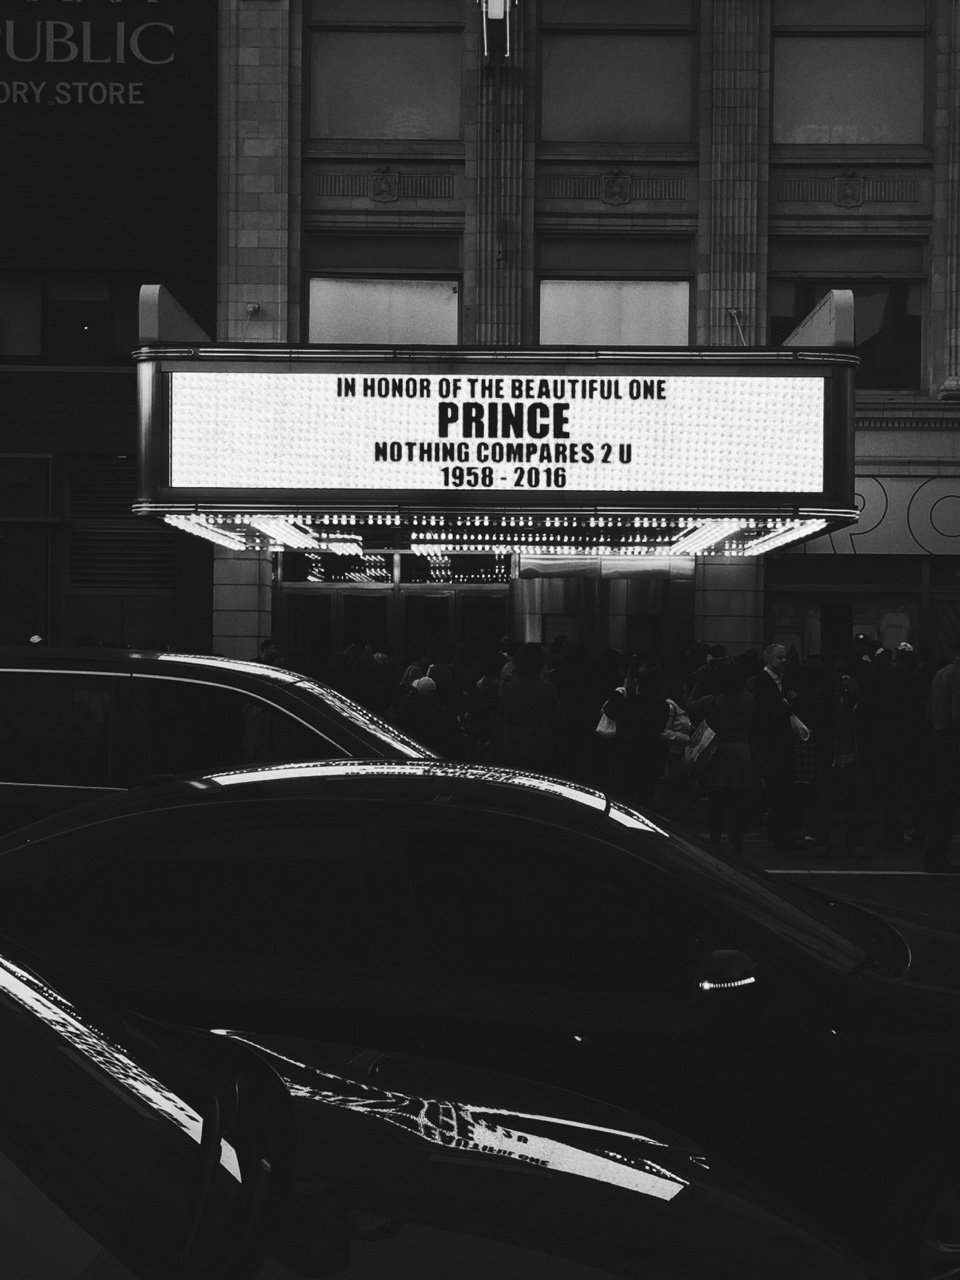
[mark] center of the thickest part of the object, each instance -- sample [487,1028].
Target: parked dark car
[131,1150]
[502,918]
[75,724]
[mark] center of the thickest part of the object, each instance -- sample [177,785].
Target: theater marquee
[662,452]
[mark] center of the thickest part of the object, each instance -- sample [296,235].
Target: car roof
[511,793]
[247,677]
[156,661]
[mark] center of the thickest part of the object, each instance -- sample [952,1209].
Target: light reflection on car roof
[438,770]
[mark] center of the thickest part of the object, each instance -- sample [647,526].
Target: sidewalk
[757,849]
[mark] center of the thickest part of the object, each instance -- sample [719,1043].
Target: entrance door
[427,621]
[365,618]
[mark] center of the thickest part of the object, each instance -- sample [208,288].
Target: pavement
[893,877]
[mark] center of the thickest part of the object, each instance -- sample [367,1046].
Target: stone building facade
[628,173]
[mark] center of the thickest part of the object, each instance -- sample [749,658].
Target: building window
[887,318]
[68,319]
[616,291]
[849,73]
[615,313]
[617,71]
[886,278]
[384,311]
[385,84]
[384,71]
[619,88]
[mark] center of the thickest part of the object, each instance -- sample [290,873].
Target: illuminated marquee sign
[496,432]
[653,452]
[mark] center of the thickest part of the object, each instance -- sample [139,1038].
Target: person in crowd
[847,780]
[704,694]
[637,751]
[944,718]
[269,652]
[728,774]
[413,671]
[772,739]
[701,676]
[449,693]
[813,756]
[529,717]
[574,678]
[423,717]
[901,737]
[508,649]
[676,737]
[483,705]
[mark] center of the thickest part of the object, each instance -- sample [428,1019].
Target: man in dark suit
[771,739]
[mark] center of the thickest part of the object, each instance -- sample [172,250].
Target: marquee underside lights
[440,535]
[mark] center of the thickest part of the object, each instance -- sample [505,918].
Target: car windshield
[845,941]
[366,722]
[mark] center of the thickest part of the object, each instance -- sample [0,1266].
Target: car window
[776,908]
[189,725]
[492,902]
[260,890]
[59,728]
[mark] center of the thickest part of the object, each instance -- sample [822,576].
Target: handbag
[799,730]
[607,727]
[703,743]
[676,732]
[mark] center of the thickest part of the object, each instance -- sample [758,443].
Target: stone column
[500,193]
[729,602]
[254,184]
[242,600]
[733,185]
[945,241]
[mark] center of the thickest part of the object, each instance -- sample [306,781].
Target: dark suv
[77,724]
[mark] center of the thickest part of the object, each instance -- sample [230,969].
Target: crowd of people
[799,751]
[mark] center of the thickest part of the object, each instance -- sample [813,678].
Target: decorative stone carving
[384,186]
[615,187]
[849,190]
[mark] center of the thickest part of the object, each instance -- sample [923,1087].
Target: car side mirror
[725,969]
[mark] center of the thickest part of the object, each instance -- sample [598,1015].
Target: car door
[128,1153]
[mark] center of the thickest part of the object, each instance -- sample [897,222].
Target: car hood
[417,1134]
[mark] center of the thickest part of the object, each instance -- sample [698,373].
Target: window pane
[197,726]
[848,90]
[614,256]
[617,88]
[852,13]
[615,313]
[413,254]
[385,85]
[19,316]
[627,13]
[58,729]
[384,311]
[886,320]
[24,582]
[24,486]
[356,11]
